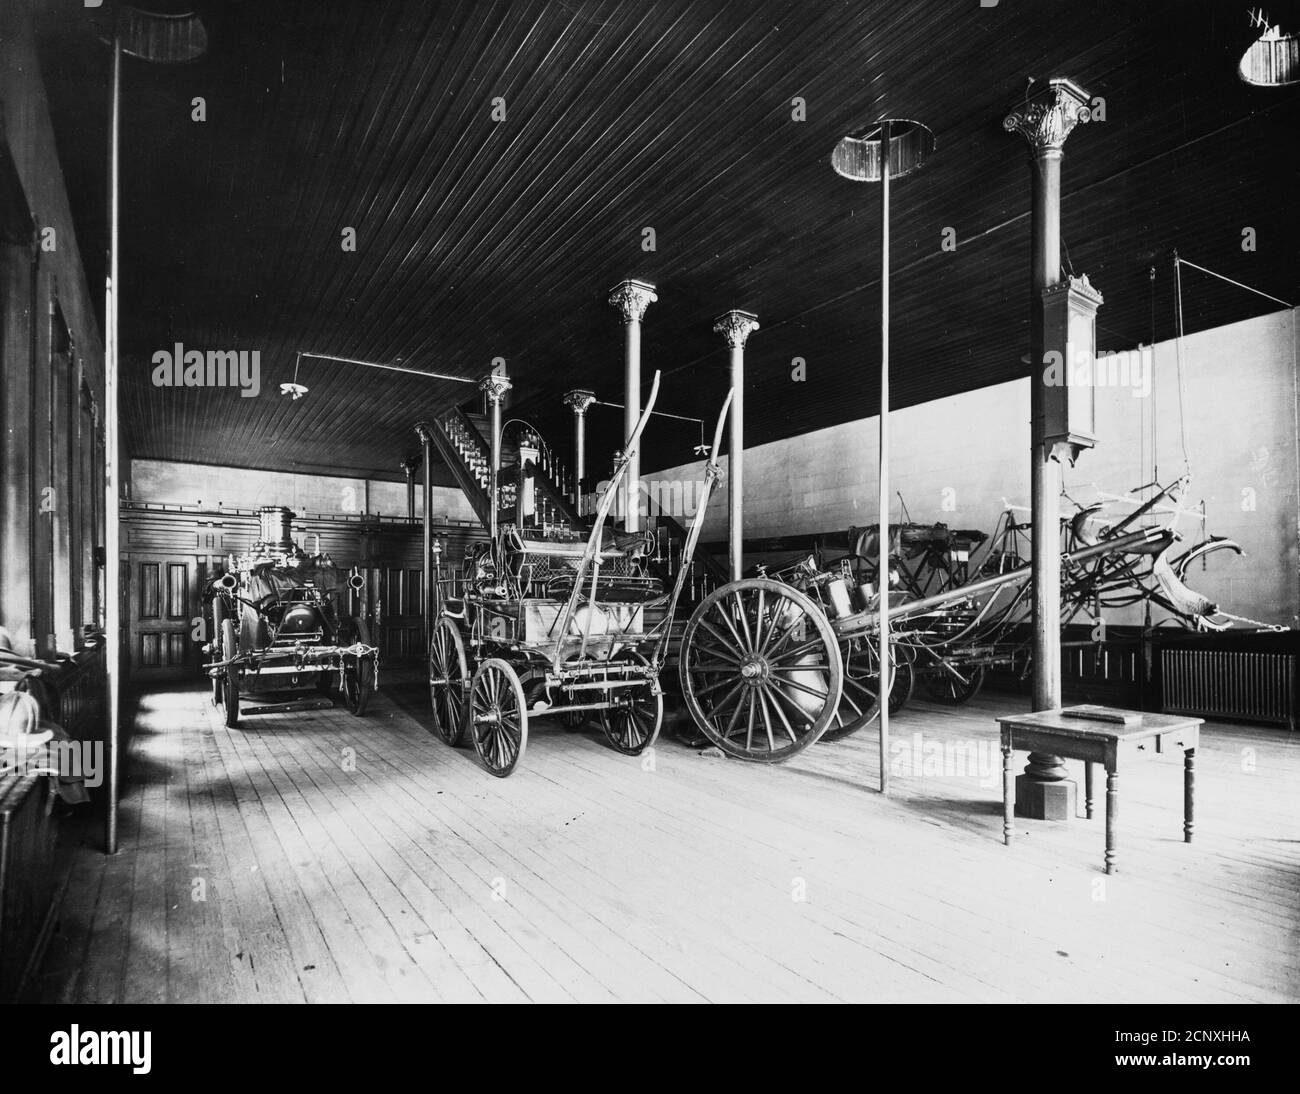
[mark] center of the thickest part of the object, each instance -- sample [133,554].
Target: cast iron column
[113,471]
[424,431]
[494,387]
[632,298]
[735,327]
[409,465]
[579,400]
[1045,120]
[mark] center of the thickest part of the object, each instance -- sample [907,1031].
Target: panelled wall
[51,379]
[211,487]
[169,553]
[1231,422]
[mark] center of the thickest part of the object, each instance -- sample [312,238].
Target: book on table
[1094,713]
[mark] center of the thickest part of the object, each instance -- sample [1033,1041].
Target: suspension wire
[655,413]
[1230,281]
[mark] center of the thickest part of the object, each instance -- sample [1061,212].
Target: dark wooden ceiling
[479,239]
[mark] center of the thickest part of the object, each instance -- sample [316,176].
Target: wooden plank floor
[317,857]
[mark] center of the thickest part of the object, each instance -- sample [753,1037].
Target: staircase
[706,572]
[461,440]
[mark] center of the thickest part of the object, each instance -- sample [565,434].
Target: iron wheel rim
[751,658]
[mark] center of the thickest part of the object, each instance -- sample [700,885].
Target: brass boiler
[275,528]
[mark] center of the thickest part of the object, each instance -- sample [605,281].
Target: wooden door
[400,631]
[163,603]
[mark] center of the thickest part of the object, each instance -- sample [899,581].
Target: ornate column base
[1043,792]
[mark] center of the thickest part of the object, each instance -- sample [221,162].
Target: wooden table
[1057,733]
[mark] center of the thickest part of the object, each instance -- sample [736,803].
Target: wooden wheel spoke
[714,686]
[767,721]
[720,708]
[721,667]
[725,617]
[796,652]
[800,687]
[720,652]
[735,714]
[777,693]
[778,635]
[742,612]
[726,642]
[845,697]
[802,665]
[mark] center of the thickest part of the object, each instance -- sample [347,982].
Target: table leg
[1189,793]
[1008,794]
[1112,807]
[1087,790]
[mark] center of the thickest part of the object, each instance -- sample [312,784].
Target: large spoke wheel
[359,672]
[358,684]
[498,719]
[761,670]
[904,685]
[860,700]
[633,725]
[230,675]
[448,673]
[952,690]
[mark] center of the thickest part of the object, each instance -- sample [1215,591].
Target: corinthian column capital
[631,298]
[1049,116]
[424,431]
[735,327]
[494,386]
[579,400]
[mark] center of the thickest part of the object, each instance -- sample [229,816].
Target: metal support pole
[408,466]
[632,298]
[425,432]
[112,459]
[1045,477]
[1045,120]
[736,327]
[494,387]
[579,400]
[886,667]
[890,149]
[631,414]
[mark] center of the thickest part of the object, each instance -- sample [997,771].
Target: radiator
[1235,685]
[26,877]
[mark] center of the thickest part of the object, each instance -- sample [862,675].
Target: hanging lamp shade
[858,156]
[162,38]
[1272,61]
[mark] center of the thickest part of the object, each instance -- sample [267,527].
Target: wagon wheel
[633,725]
[943,687]
[498,719]
[860,700]
[761,670]
[904,685]
[574,719]
[218,616]
[230,676]
[448,672]
[359,673]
